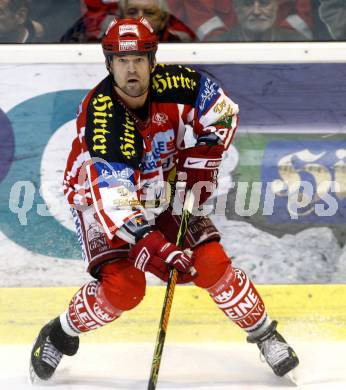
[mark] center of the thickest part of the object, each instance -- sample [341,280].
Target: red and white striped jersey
[119,162]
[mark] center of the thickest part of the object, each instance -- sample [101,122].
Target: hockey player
[130,141]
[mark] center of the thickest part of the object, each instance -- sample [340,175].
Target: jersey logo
[160,118]
[142,259]
[202,164]
[128,45]
[128,29]
[193,162]
[208,92]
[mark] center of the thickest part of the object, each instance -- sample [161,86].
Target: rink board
[309,312]
[285,110]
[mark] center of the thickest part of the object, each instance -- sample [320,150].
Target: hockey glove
[155,254]
[198,167]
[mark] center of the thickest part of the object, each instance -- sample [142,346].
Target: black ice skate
[51,344]
[275,350]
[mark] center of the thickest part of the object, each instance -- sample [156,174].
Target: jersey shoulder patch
[175,84]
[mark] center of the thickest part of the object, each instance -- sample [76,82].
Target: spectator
[333,14]
[296,15]
[16,25]
[99,13]
[166,26]
[319,28]
[256,23]
[90,27]
[209,19]
[54,17]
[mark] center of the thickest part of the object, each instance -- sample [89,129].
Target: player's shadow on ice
[99,383]
[242,373]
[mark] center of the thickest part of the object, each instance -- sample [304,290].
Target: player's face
[150,9]
[256,15]
[132,73]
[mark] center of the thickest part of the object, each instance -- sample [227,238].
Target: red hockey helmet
[124,36]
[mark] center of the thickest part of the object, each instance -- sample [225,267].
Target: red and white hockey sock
[88,310]
[237,297]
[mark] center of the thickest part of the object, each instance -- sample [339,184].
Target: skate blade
[292,376]
[33,378]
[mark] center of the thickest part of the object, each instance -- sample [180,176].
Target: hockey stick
[167,303]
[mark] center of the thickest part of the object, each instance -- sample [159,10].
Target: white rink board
[312,256]
[225,367]
[186,53]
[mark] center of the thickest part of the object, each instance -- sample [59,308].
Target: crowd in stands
[85,21]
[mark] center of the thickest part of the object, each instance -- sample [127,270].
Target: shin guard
[237,297]
[88,310]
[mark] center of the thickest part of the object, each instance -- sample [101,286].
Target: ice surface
[224,366]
